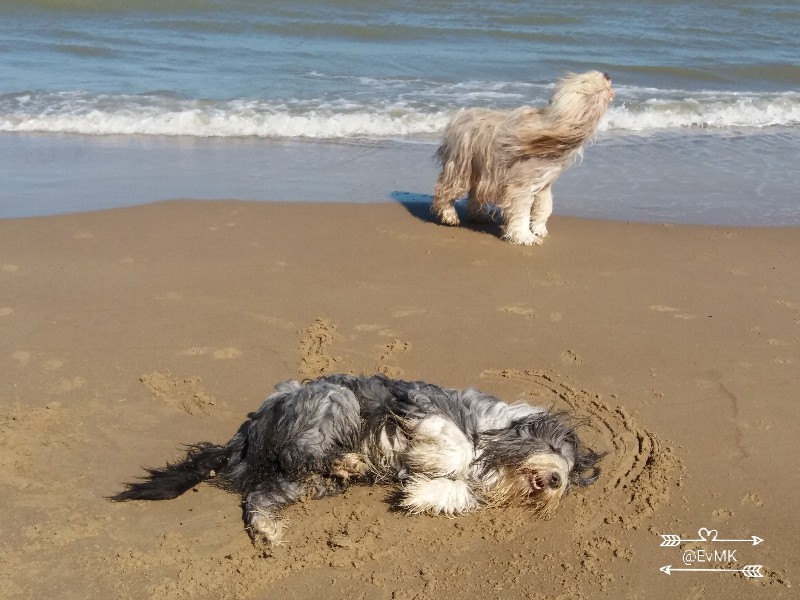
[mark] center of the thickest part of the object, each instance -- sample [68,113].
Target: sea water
[111,102]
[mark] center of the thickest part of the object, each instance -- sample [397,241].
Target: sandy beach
[128,332]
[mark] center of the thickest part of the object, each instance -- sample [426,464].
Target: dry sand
[126,333]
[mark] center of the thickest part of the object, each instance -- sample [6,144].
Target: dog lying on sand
[448,451]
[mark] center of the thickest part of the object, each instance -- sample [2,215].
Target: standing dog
[450,451]
[510,159]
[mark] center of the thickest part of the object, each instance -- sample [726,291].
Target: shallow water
[704,179]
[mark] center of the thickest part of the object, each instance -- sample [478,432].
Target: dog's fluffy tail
[201,462]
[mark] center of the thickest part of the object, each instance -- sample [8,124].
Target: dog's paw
[449,216]
[539,230]
[350,465]
[264,528]
[523,238]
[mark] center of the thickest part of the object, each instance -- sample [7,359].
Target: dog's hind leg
[477,212]
[261,509]
[540,211]
[301,442]
[449,188]
[261,506]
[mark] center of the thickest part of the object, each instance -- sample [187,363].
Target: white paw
[264,528]
[540,230]
[449,216]
[523,238]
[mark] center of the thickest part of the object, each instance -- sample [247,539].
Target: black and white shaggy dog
[449,451]
[509,160]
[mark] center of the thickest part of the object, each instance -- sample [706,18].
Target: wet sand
[126,333]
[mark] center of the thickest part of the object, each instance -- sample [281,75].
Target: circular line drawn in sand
[639,469]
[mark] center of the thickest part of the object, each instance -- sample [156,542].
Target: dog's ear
[586,461]
[542,433]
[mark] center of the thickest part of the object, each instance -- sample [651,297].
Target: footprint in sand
[752,498]
[22,357]
[674,311]
[196,351]
[571,357]
[400,312]
[528,313]
[69,385]
[787,304]
[220,354]
[186,393]
[227,353]
[722,514]
[53,364]
[662,308]
[273,321]
[389,353]
[315,356]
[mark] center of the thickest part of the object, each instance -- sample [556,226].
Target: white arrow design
[747,571]
[705,535]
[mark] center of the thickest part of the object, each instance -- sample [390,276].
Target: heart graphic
[709,535]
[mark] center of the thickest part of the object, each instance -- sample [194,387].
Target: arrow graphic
[748,570]
[705,535]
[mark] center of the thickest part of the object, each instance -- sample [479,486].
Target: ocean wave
[406,116]
[650,109]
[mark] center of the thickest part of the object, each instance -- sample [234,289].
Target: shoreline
[131,331]
[701,178]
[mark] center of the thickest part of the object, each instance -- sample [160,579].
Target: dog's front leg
[540,211]
[517,206]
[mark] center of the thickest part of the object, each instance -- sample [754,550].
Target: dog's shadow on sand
[419,206]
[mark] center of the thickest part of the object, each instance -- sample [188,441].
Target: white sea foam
[710,110]
[408,115]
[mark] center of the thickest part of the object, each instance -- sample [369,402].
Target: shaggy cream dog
[508,160]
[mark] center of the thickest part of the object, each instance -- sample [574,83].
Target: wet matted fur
[508,160]
[447,451]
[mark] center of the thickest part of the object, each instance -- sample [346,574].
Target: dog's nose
[607,76]
[555,481]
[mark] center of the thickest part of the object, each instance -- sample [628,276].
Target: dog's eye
[555,481]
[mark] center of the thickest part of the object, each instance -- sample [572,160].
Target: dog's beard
[539,484]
